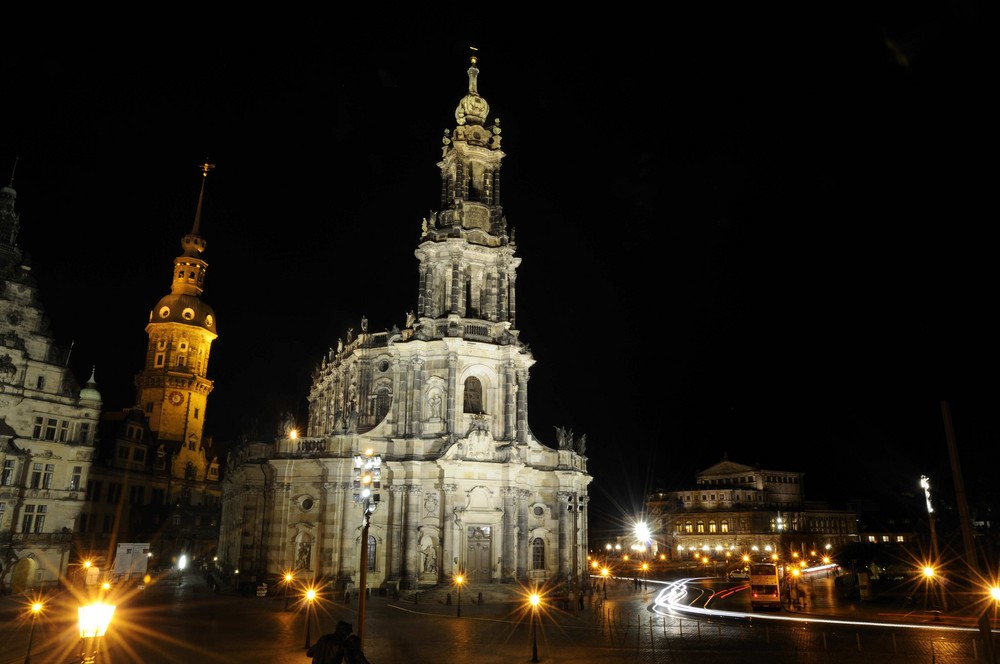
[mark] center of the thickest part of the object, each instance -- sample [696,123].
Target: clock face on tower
[176,398]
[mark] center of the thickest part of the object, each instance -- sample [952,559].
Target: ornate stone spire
[473,109]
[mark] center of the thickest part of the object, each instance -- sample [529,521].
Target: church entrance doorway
[478,555]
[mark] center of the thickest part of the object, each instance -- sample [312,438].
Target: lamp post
[604,573]
[458,581]
[36,608]
[94,622]
[925,484]
[310,597]
[645,572]
[367,482]
[995,594]
[534,599]
[289,577]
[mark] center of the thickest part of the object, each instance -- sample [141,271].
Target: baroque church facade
[48,427]
[466,487]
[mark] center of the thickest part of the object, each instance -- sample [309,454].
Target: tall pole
[534,634]
[367,482]
[308,623]
[31,635]
[363,578]
[925,484]
[985,629]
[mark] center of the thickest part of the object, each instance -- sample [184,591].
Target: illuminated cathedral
[465,485]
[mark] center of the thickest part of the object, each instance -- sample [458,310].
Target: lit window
[34,519]
[7,477]
[473,402]
[74,480]
[538,553]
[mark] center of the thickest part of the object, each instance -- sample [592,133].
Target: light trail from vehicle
[679,598]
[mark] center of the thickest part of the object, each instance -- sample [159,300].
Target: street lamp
[535,599]
[458,581]
[995,594]
[36,608]
[289,577]
[94,622]
[604,573]
[367,482]
[310,597]
[645,571]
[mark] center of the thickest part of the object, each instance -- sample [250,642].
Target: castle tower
[173,386]
[159,474]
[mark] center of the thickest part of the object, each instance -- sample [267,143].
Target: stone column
[564,500]
[452,390]
[509,403]
[417,365]
[422,294]
[394,539]
[448,527]
[399,394]
[411,537]
[523,550]
[513,300]
[584,535]
[456,285]
[342,558]
[508,568]
[502,296]
[522,407]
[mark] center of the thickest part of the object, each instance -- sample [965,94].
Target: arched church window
[473,396]
[538,553]
[371,553]
[382,400]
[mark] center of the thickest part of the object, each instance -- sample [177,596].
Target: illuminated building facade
[48,426]
[734,509]
[466,486]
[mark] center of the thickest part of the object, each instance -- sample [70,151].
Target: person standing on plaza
[331,648]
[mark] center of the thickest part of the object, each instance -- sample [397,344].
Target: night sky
[766,239]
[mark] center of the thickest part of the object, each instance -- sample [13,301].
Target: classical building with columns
[734,509]
[465,487]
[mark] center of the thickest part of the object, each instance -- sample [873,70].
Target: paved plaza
[186,621]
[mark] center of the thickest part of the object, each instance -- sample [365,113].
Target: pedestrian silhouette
[332,648]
